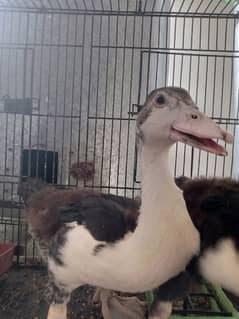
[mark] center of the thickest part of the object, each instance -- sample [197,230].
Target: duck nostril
[194,116]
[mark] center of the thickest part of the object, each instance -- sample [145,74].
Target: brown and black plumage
[108,217]
[213,204]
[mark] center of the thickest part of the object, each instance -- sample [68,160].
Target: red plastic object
[6,256]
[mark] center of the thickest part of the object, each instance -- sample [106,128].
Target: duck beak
[196,129]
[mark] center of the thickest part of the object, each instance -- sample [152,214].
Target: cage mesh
[73,73]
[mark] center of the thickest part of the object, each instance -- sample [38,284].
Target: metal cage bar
[84,67]
[134,6]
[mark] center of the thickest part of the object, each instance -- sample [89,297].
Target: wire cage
[73,74]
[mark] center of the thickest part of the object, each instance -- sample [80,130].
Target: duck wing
[107,217]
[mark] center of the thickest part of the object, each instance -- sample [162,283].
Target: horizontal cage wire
[73,74]
[207,7]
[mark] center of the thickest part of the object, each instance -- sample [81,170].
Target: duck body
[213,204]
[90,234]
[89,237]
[85,254]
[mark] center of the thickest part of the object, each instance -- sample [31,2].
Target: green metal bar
[213,302]
[224,301]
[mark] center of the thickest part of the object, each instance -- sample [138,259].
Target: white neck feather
[159,192]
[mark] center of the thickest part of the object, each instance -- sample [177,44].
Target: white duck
[91,241]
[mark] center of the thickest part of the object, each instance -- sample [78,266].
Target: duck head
[170,115]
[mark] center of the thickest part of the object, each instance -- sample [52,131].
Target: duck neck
[158,187]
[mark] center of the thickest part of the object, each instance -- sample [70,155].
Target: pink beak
[196,129]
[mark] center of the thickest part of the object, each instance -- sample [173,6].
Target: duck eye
[160,100]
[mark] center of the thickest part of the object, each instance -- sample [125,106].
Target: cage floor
[22,297]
